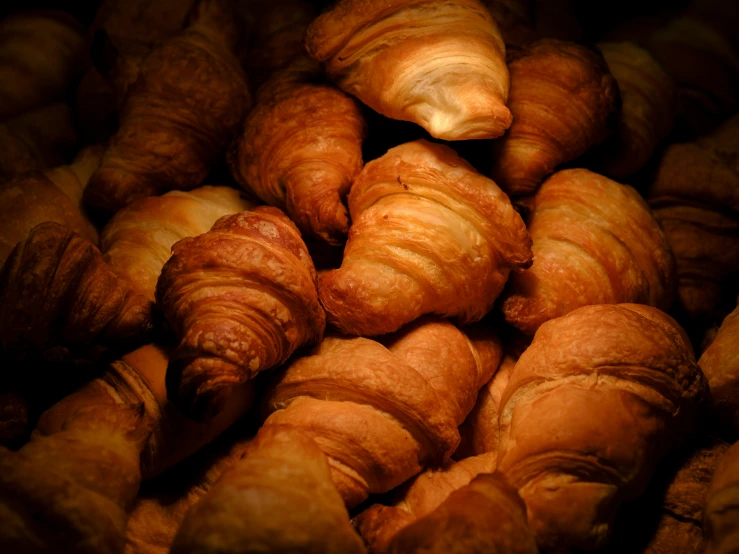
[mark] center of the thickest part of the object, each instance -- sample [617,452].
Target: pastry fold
[437,63]
[429,235]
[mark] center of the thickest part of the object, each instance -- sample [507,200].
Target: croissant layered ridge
[429,235]
[437,63]
[595,242]
[564,100]
[180,113]
[241,298]
[301,148]
[629,361]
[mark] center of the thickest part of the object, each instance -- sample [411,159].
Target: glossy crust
[301,148]
[720,364]
[721,513]
[55,289]
[278,498]
[437,63]
[648,96]
[179,115]
[572,466]
[429,235]
[564,100]
[240,298]
[138,241]
[595,242]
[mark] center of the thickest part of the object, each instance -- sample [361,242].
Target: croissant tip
[192,393]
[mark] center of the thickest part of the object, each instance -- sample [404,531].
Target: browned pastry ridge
[564,101]
[301,148]
[429,235]
[178,115]
[55,289]
[600,396]
[595,242]
[436,63]
[721,513]
[240,298]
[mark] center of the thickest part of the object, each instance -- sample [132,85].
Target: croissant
[429,235]
[52,195]
[595,242]
[438,64]
[301,148]
[137,242]
[56,289]
[514,19]
[648,96]
[279,498]
[241,298]
[179,114]
[694,199]
[629,361]
[720,364]
[564,100]
[721,512]
[41,53]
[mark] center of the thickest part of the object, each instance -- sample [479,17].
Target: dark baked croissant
[439,64]
[429,235]
[721,512]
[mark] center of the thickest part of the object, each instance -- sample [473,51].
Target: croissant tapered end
[435,63]
[564,100]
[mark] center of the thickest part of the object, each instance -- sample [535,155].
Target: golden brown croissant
[720,364]
[138,241]
[278,498]
[721,513]
[694,199]
[563,99]
[301,148]
[600,396]
[56,289]
[71,491]
[179,115]
[648,96]
[241,298]
[41,53]
[595,242]
[438,64]
[52,195]
[429,235]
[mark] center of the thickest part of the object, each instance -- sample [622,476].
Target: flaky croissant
[301,148]
[572,464]
[721,512]
[564,101]
[436,63]
[240,298]
[138,241]
[595,242]
[429,235]
[55,289]
[180,113]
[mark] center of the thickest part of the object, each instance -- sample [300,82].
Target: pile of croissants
[374,276]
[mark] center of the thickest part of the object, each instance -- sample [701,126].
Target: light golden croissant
[438,64]
[278,498]
[50,195]
[595,242]
[180,113]
[563,100]
[694,198]
[720,364]
[41,53]
[648,96]
[429,235]
[138,241]
[721,512]
[240,298]
[600,396]
[55,289]
[301,148]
